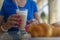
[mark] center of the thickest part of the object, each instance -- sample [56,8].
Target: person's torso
[11,7]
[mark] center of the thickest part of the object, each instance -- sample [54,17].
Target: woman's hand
[12,21]
[34,21]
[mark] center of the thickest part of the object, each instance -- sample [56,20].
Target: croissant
[44,30]
[56,24]
[35,31]
[56,30]
[47,29]
[40,30]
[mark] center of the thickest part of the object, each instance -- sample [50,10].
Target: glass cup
[23,14]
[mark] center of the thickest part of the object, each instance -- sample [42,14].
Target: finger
[13,22]
[14,15]
[14,19]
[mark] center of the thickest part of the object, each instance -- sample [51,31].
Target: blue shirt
[9,7]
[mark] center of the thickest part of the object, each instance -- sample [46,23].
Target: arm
[2,14]
[4,26]
[36,16]
[1,18]
[36,12]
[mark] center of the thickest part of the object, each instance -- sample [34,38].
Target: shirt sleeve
[8,7]
[2,9]
[35,7]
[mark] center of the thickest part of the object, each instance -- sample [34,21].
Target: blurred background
[49,10]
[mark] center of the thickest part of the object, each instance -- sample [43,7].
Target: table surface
[6,36]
